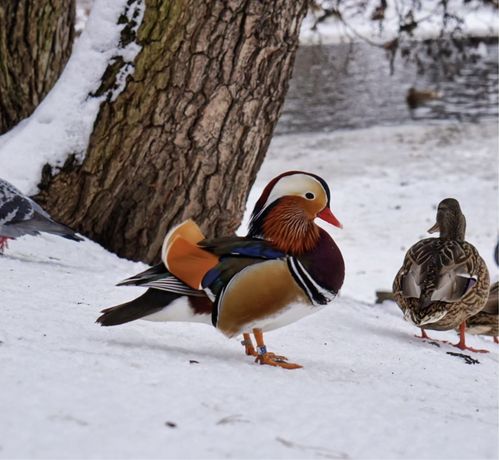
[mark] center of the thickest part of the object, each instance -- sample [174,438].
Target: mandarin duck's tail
[148,303]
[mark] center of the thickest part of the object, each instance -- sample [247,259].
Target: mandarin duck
[486,321]
[20,215]
[285,268]
[443,281]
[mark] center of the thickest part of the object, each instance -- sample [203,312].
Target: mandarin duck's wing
[438,270]
[155,272]
[234,255]
[237,246]
[238,253]
[158,277]
[189,256]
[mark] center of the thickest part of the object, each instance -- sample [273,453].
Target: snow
[62,123]
[478,20]
[368,389]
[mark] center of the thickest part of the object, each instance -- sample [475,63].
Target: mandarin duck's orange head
[285,211]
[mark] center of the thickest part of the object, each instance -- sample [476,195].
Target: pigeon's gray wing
[20,215]
[14,206]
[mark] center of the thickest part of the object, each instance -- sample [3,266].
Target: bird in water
[443,281]
[285,268]
[20,215]
[417,97]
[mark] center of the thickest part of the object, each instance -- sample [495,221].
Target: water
[350,86]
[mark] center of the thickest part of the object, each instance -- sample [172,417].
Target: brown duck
[443,280]
[486,321]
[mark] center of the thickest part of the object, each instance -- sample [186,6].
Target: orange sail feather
[184,258]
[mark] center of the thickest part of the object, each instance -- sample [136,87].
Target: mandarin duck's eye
[309,196]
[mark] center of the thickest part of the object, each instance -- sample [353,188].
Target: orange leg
[496,339]
[248,345]
[462,340]
[4,243]
[423,335]
[265,357]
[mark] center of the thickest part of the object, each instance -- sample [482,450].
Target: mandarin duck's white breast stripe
[324,292]
[316,294]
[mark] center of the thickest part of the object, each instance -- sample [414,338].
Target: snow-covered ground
[368,389]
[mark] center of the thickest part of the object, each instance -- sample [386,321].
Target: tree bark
[188,134]
[36,38]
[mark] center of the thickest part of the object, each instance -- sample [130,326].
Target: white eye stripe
[290,185]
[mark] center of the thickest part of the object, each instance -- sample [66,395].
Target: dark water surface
[343,86]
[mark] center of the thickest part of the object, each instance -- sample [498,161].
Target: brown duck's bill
[434,229]
[329,217]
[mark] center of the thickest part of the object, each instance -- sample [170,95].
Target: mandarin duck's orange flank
[285,268]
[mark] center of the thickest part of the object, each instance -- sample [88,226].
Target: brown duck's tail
[152,301]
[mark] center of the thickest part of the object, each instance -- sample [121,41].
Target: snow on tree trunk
[189,132]
[36,38]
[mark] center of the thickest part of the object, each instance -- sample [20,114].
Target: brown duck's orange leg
[249,349]
[496,339]
[462,340]
[423,335]
[265,357]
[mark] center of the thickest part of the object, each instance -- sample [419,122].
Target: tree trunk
[36,38]
[187,136]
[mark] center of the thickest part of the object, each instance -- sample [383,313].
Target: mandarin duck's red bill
[286,268]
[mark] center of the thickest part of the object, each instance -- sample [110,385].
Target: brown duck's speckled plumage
[428,262]
[486,321]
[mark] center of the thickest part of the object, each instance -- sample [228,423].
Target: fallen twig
[467,359]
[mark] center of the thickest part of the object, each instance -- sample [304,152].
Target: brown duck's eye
[309,196]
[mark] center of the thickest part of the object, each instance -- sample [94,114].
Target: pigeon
[20,215]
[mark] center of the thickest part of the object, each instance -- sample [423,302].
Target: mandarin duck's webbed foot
[271,359]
